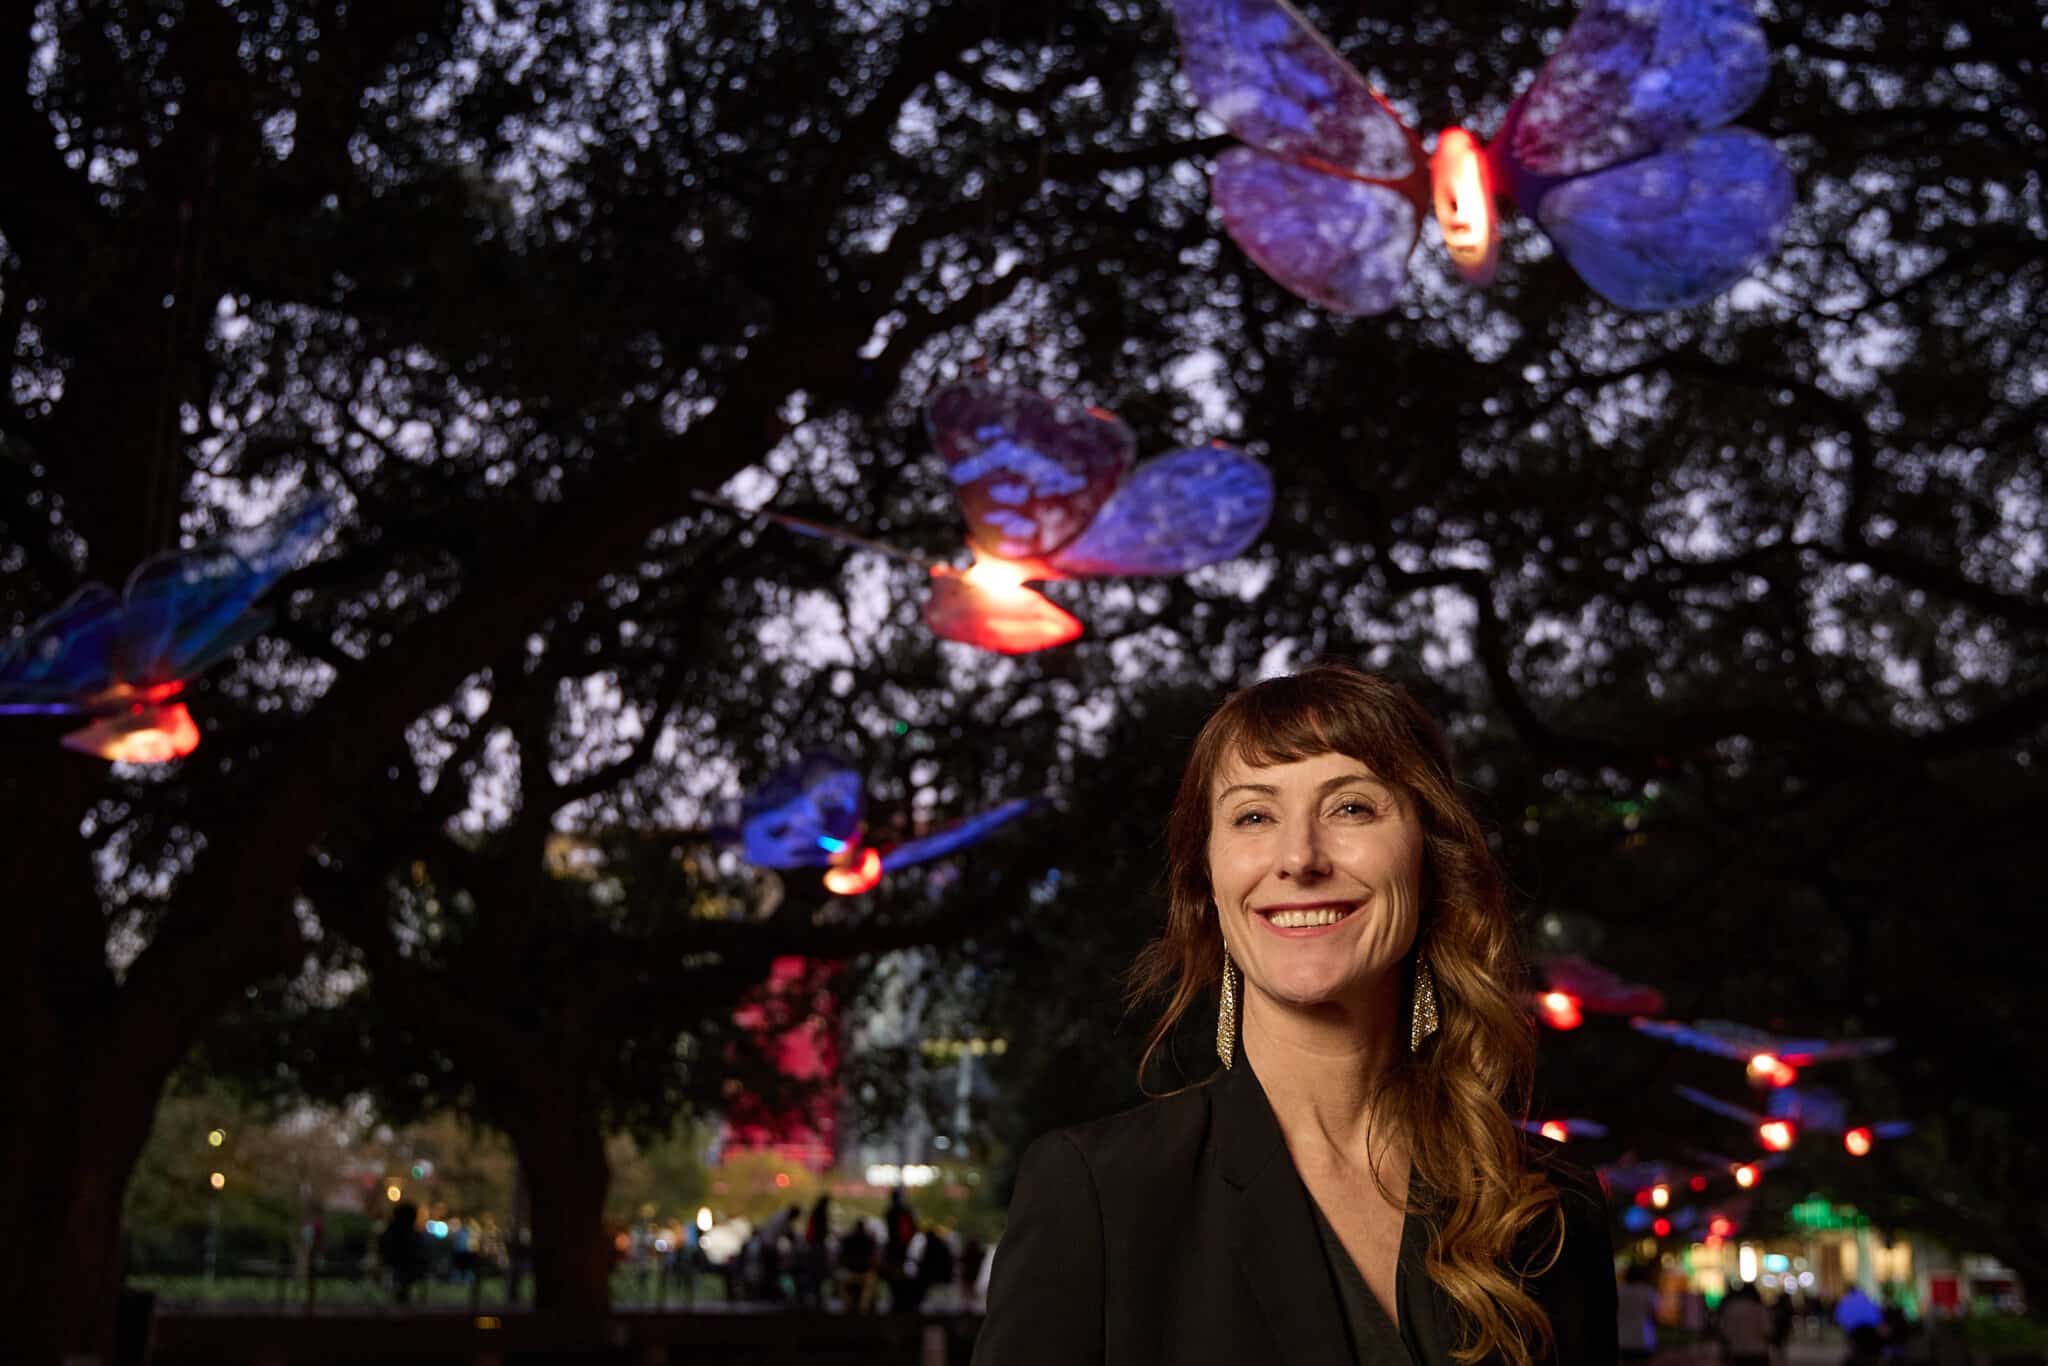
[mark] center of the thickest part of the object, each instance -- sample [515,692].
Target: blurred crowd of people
[1754,1332]
[893,1263]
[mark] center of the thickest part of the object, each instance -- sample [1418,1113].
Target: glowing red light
[1662,1228]
[1721,1226]
[1776,1134]
[1560,1010]
[1698,1183]
[857,877]
[147,733]
[1643,1198]
[1555,1130]
[989,606]
[1745,1176]
[782,1180]
[1858,1142]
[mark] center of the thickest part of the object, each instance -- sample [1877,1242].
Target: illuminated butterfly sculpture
[1049,491]
[123,660]
[1618,149]
[1772,1059]
[808,815]
[1796,1109]
[1573,986]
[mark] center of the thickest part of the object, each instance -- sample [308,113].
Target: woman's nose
[1303,856]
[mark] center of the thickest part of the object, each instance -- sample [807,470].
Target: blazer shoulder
[1143,1139]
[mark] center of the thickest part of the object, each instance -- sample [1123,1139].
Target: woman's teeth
[1309,919]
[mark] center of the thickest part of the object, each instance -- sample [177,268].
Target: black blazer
[1179,1234]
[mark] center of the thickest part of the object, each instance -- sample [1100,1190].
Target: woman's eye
[1249,818]
[1355,809]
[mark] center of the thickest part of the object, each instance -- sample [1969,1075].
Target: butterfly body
[1618,150]
[809,814]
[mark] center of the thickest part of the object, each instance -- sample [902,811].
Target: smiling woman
[1351,1185]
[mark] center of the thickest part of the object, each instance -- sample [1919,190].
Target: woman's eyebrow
[1258,789]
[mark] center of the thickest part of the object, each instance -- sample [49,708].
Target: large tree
[512,280]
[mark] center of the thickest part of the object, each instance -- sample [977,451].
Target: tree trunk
[73,1144]
[561,1148]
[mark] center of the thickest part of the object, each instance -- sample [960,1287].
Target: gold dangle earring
[1422,1019]
[1226,1011]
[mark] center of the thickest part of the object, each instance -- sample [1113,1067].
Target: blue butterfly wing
[1717,1105]
[1279,86]
[803,814]
[1810,1107]
[1633,76]
[1708,1036]
[1177,512]
[189,609]
[1340,244]
[1676,228]
[67,654]
[1031,471]
[959,835]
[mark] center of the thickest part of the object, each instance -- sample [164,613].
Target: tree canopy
[511,281]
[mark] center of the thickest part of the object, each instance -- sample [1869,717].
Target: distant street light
[393,1193]
[218,1180]
[217,1137]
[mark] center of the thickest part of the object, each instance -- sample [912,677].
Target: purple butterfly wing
[187,610]
[1677,228]
[1341,244]
[1030,470]
[1279,86]
[1329,195]
[1598,988]
[806,812]
[1634,76]
[1810,1107]
[66,655]
[959,834]
[1176,512]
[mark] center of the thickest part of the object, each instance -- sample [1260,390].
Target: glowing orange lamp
[1721,1226]
[146,733]
[1556,1130]
[1660,1196]
[1859,1141]
[1776,1134]
[1462,178]
[853,878]
[1746,1175]
[990,605]
[1767,1069]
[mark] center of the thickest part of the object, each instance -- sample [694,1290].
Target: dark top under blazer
[1179,1234]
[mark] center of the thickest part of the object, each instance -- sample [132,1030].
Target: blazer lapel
[1274,1237]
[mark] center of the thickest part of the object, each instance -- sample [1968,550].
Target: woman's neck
[1320,1066]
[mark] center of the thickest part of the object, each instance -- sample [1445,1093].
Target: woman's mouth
[1298,921]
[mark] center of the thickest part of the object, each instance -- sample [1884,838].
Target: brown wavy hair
[1452,1101]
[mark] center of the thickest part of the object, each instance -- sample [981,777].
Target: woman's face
[1316,867]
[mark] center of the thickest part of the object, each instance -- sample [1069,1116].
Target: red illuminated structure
[795,1020]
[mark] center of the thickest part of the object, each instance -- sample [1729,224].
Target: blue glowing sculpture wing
[1329,192]
[1175,513]
[64,656]
[1719,1106]
[806,812]
[1675,228]
[188,610]
[1030,470]
[1743,1042]
[1598,989]
[1279,86]
[959,834]
[180,614]
[1810,1107]
[1632,77]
